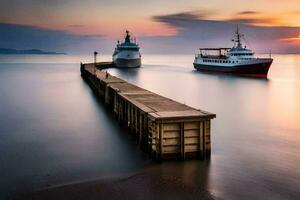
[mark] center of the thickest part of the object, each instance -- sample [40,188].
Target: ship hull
[127,63]
[253,70]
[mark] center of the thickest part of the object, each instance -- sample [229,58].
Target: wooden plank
[172,141]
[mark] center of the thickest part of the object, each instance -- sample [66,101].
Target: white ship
[127,54]
[237,60]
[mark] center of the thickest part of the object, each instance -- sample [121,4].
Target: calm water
[54,131]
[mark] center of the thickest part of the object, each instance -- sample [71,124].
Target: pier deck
[162,126]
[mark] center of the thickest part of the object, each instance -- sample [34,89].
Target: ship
[127,54]
[237,60]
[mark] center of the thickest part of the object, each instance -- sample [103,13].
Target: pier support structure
[164,128]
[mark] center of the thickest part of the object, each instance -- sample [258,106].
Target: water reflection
[52,125]
[178,180]
[54,131]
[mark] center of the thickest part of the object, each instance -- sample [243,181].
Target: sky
[161,26]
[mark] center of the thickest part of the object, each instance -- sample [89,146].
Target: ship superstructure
[127,54]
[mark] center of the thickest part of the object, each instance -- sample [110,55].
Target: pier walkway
[162,126]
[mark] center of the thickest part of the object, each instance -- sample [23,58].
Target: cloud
[188,15]
[252,18]
[253,21]
[194,32]
[76,26]
[31,37]
[248,12]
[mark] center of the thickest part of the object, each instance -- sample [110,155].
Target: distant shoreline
[8,51]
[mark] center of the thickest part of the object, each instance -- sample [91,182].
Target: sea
[55,131]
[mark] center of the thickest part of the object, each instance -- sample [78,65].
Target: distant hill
[28,51]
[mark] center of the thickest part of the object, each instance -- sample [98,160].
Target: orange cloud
[291,39]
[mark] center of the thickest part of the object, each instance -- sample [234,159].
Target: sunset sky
[90,21]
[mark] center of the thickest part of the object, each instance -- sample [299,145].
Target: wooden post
[128,115]
[158,141]
[140,128]
[204,139]
[95,61]
[201,136]
[161,141]
[207,139]
[182,144]
[131,119]
[135,121]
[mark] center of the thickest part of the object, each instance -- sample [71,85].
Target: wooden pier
[162,127]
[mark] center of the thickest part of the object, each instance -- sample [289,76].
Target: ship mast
[127,38]
[238,38]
